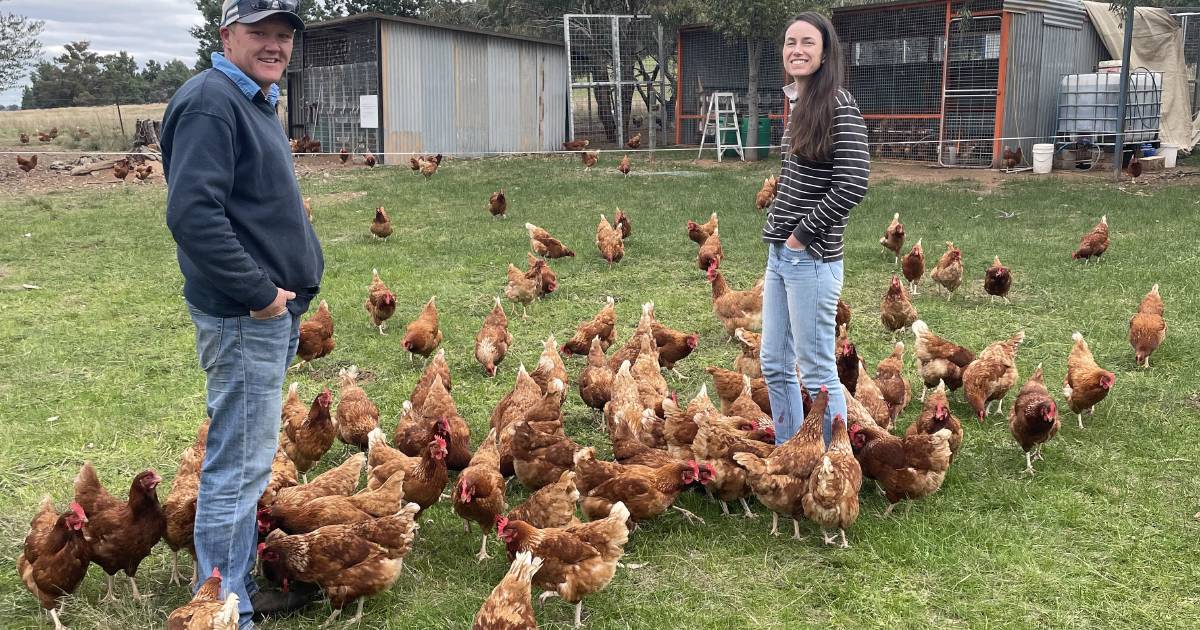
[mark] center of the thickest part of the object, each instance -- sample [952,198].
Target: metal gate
[617,73]
[970,89]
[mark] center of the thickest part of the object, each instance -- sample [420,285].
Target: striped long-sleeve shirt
[813,200]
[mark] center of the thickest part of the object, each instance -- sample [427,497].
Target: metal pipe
[570,80]
[1122,98]
[618,93]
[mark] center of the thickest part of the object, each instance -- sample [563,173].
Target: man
[251,264]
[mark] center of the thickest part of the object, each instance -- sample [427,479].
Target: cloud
[146,29]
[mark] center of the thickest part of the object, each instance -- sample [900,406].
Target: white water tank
[1087,106]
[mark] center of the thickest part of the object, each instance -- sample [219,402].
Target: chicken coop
[947,81]
[388,84]
[711,62]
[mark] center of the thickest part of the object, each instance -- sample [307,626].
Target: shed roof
[366,17]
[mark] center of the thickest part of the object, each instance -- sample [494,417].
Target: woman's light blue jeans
[245,361]
[800,296]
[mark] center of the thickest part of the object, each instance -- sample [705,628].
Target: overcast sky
[146,29]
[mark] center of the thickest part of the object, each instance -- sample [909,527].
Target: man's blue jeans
[800,295]
[245,361]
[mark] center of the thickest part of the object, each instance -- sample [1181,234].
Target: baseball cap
[251,11]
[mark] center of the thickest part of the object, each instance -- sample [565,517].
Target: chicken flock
[349,536]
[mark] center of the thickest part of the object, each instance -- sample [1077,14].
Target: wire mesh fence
[895,62]
[331,70]
[619,79]
[710,62]
[1189,23]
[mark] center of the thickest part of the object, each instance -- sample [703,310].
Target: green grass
[99,364]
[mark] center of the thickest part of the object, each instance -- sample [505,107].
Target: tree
[164,84]
[19,46]
[81,77]
[72,79]
[120,80]
[403,8]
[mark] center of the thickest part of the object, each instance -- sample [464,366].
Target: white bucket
[1043,158]
[1169,152]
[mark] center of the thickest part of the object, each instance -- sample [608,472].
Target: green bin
[764,138]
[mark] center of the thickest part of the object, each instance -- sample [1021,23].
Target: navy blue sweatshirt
[233,203]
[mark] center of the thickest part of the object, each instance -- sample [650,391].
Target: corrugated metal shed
[1039,55]
[444,89]
[1060,13]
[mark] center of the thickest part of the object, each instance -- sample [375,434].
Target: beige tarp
[1158,46]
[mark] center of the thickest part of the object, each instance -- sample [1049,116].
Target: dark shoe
[273,603]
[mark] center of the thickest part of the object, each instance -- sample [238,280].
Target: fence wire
[619,79]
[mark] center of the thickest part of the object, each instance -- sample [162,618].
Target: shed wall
[456,92]
[1039,55]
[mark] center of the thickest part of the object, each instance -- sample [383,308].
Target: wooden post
[120,120]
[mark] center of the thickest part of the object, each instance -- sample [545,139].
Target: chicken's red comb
[216,573]
[824,389]
[261,547]
[78,510]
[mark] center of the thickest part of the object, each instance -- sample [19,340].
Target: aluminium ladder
[722,117]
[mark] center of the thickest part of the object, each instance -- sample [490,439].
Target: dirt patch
[1194,400]
[4,272]
[341,197]
[42,180]
[323,372]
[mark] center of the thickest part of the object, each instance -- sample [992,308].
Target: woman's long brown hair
[812,113]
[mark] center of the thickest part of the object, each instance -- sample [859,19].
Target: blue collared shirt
[242,80]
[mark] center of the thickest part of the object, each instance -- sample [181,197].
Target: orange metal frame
[1005,23]
[678,89]
[900,116]
[945,76]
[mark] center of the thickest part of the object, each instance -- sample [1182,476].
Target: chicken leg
[748,512]
[110,596]
[579,606]
[176,579]
[133,585]
[774,523]
[845,543]
[57,623]
[336,612]
[381,327]
[358,615]
[483,554]
[724,508]
[690,517]
[829,540]
[1028,463]
[796,530]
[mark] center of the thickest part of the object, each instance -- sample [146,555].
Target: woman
[824,175]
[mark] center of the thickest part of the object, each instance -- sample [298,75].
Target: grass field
[102,124]
[99,364]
